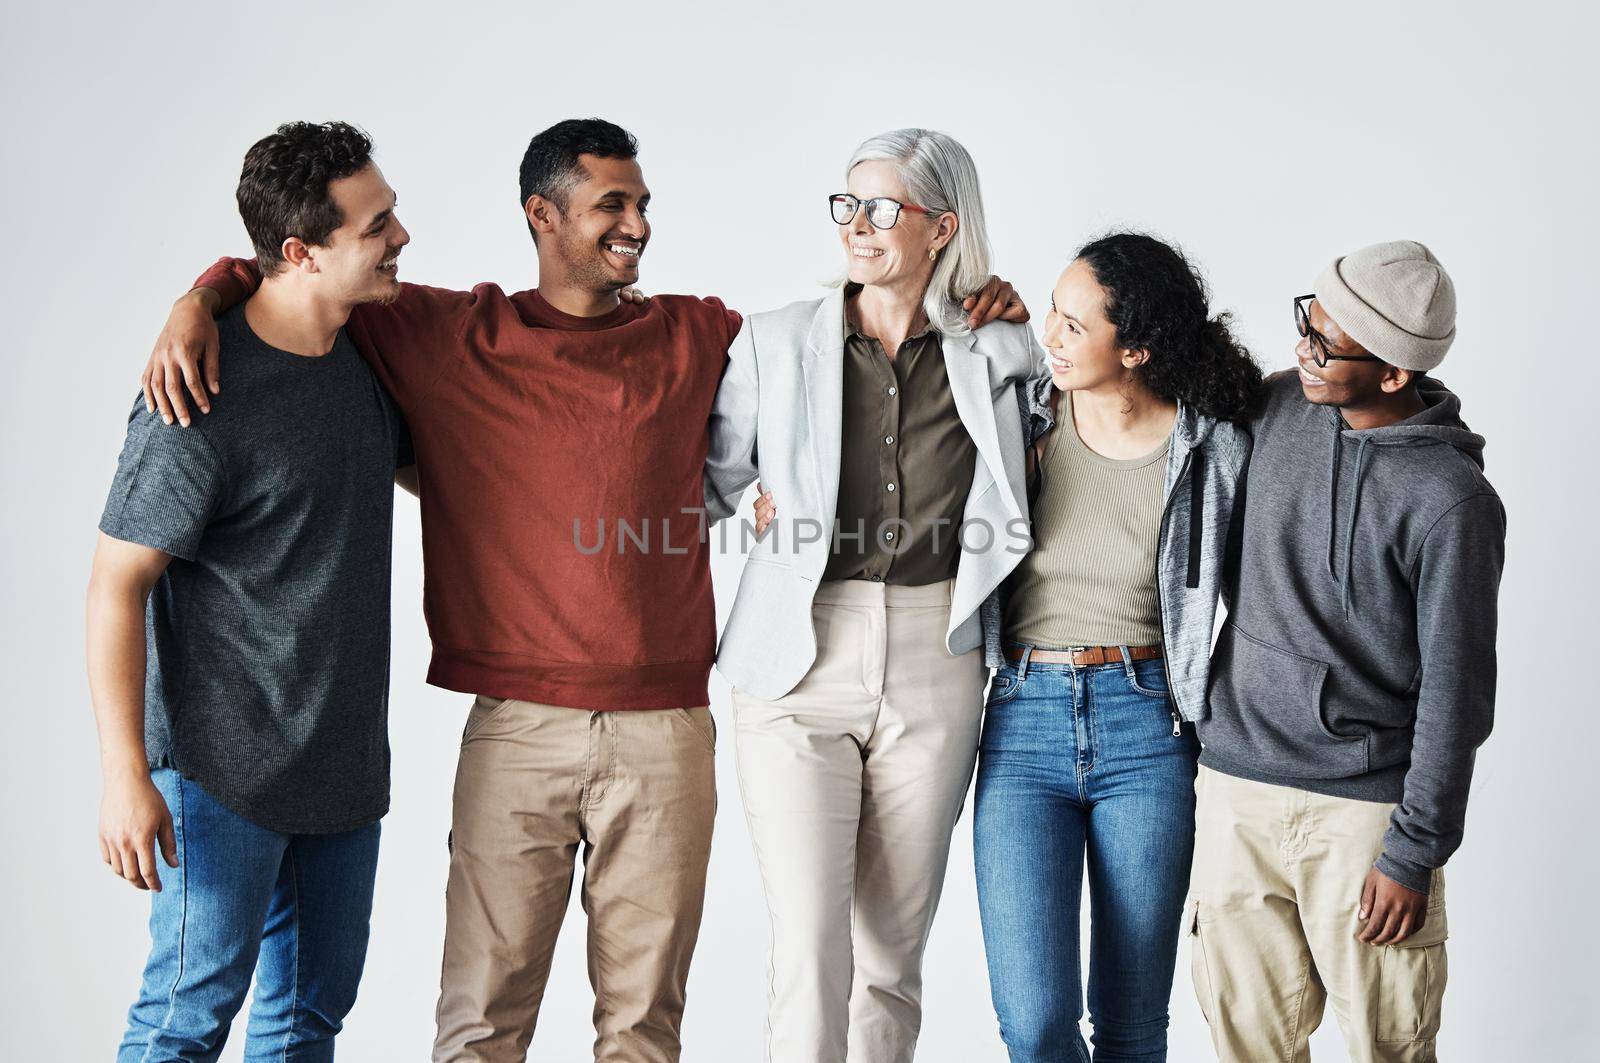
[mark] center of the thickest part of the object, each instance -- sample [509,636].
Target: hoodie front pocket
[1266,713]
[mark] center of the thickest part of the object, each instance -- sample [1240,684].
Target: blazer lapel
[968,370]
[822,359]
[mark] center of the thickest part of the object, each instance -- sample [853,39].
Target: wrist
[121,767]
[206,299]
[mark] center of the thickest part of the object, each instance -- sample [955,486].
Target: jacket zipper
[1161,606]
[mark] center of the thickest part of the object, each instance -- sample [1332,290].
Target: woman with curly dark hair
[1101,640]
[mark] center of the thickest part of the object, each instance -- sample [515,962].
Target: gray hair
[940,175]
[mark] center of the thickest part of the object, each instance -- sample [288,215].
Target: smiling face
[360,261]
[1081,342]
[1339,383]
[599,235]
[898,256]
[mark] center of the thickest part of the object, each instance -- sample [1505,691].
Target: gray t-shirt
[268,634]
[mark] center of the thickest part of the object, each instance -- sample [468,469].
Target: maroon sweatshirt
[560,466]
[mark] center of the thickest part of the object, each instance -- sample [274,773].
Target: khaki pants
[852,785]
[637,790]
[1275,893]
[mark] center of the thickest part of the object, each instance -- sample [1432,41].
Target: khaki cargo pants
[1273,921]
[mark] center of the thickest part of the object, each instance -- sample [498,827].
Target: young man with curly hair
[238,632]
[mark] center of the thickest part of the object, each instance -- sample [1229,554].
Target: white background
[1265,138]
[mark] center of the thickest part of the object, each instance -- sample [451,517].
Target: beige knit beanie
[1395,300]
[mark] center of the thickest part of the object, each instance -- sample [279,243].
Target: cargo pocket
[1266,710]
[1411,978]
[1199,964]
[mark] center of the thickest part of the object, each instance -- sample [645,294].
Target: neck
[890,313]
[1384,410]
[1121,409]
[286,316]
[559,290]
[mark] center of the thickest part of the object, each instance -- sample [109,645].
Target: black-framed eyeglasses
[882,211]
[1320,352]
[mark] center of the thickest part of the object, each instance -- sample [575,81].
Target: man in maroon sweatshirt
[560,435]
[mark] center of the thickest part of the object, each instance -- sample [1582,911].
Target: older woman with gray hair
[888,430]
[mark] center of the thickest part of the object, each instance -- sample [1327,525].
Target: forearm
[1429,822]
[229,282]
[723,494]
[116,661]
[1457,581]
[207,299]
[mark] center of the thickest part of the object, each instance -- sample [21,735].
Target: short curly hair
[550,167]
[283,188]
[1158,302]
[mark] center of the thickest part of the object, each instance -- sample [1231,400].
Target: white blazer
[778,416]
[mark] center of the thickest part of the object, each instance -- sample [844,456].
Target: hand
[1392,912]
[186,350]
[765,510]
[630,294]
[997,299]
[133,818]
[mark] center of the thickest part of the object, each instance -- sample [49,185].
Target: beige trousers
[636,790]
[1275,892]
[852,784]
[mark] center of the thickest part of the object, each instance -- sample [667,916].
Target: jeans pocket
[1002,688]
[1411,979]
[1150,681]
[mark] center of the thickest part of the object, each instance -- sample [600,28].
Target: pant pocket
[483,710]
[707,730]
[1199,964]
[1411,979]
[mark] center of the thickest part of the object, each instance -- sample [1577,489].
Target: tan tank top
[1091,577]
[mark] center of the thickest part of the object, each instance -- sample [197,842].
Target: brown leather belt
[1083,656]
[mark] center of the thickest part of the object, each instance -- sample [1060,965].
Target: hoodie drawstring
[1346,582]
[1333,498]
[1350,522]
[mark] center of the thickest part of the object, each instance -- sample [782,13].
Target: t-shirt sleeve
[233,279]
[169,485]
[412,342]
[732,321]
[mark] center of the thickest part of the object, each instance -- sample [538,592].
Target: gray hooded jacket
[1205,464]
[1359,656]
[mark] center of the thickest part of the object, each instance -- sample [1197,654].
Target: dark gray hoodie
[1358,659]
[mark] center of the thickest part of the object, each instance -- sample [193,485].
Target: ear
[1395,379]
[297,254]
[542,214]
[1134,357]
[945,230]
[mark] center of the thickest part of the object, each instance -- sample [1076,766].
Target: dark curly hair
[283,189]
[1158,302]
[550,165]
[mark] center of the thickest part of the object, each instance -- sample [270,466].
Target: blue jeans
[1077,760]
[293,909]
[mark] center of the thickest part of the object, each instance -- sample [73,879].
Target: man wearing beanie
[1353,682]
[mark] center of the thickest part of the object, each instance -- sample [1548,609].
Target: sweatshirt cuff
[1411,876]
